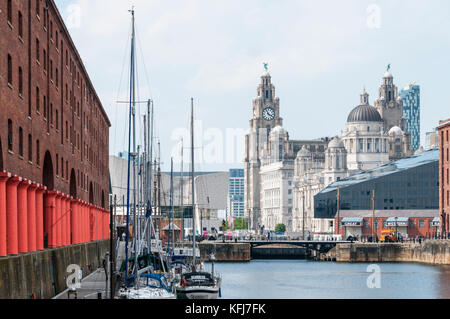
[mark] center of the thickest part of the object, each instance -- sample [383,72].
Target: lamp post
[338,211]
[373,215]
[396,229]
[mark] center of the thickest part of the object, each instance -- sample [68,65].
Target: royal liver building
[282,176]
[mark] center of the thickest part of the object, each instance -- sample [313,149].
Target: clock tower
[266,116]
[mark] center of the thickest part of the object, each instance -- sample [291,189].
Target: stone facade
[53,128]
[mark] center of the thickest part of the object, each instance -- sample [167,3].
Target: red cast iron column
[22,215]
[58,220]
[3,179]
[40,217]
[31,198]
[50,218]
[11,215]
[73,221]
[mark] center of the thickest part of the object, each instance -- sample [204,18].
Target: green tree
[225,225]
[280,228]
[240,223]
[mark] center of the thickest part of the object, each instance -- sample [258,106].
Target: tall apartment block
[411,112]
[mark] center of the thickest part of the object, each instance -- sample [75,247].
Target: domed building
[364,137]
[335,161]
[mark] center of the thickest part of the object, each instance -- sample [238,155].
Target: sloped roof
[387,169]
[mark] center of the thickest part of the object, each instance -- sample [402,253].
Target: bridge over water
[321,247]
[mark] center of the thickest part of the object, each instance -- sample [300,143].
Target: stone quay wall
[225,252]
[42,274]
[436,252]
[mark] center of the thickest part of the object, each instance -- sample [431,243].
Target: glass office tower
[236,194]
[411,112]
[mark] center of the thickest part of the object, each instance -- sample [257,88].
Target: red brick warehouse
[444,176]
[53,128]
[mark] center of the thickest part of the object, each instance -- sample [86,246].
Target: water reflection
[299,279]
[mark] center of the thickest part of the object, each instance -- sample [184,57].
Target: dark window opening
[20,141]
[10,136]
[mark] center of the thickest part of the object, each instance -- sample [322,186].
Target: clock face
[268,114]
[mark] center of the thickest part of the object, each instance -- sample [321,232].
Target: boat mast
[193,184]
[171,206]
[181,192]
[131,114]
[150,173]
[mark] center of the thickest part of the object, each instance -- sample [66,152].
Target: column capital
[14,180]
[41,188]
[4,176]
[33,186]
[52,193]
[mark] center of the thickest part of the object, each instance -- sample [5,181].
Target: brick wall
[58,112]
[444,177]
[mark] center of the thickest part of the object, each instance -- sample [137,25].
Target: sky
[321,54]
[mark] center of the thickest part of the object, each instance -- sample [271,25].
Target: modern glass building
[408,184]
[236,194]
[411,112]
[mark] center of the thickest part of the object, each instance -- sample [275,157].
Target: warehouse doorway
[47,177]
[73,184]
[91,193]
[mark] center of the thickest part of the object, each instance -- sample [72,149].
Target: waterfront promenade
[91,286]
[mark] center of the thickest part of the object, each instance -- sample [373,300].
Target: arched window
[45,60]
[38,99]
[20,81]
[9,11]
[20,24]
[10,80]
[38,50]
[20,141]
[38,156]
[10,136]
[57,164]
[30,148]
[45,107]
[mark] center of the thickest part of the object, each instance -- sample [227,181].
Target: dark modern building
[407,189]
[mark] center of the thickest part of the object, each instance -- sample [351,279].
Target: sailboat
[197,284]
[141,281]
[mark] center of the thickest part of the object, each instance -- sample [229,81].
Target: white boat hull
[197,292]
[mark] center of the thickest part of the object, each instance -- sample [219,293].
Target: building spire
[364,97]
